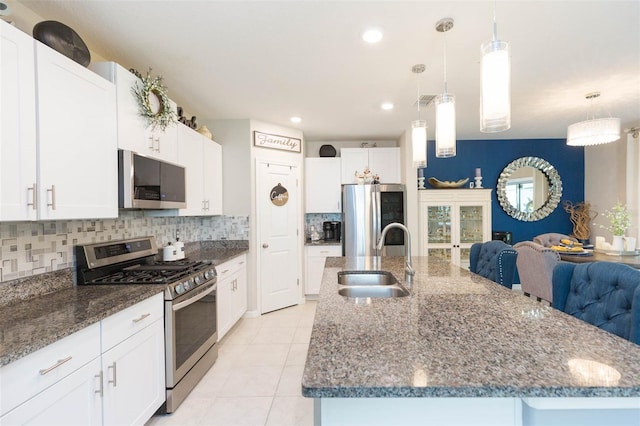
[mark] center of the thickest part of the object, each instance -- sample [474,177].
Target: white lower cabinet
[134,385]
[232,293]
[109,373]
[315,257]
[74,400]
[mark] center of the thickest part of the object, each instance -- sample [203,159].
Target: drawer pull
[54,366]
[34,196]
[114,374]
[52,204]
[143,316]
[100,378]
[241,263]
[225,271]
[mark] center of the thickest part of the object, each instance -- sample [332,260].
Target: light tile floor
[257,377]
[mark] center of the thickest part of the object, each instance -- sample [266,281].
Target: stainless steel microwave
[149,183]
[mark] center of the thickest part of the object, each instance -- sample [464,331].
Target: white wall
[604,181]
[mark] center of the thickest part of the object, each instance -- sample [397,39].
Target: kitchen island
[461,349]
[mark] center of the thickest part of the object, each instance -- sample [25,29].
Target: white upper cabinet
[17,125]
[133,132]
[77,155]
[322,185]
[202,159]
[212,173]
[385,162]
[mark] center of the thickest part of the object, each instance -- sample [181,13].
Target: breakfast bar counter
[460,349]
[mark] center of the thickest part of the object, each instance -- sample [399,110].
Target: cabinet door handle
[113,366]
[54,366]
[151,143]
[100,378]
[265,245]
[143,316]
[53,197]
[157,139]
[34,196]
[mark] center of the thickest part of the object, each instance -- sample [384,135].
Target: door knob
[265,245]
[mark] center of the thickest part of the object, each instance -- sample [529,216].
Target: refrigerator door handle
[377,220]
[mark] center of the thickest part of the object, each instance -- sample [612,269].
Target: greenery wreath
[153,86]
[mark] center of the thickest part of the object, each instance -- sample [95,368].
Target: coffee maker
[332,230]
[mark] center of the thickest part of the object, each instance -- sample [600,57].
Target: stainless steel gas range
[191,330]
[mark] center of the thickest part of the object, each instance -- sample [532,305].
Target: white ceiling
[269,60]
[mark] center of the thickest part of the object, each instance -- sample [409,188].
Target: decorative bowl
[446,183]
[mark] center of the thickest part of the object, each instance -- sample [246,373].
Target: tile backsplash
[31,248]
[316,219]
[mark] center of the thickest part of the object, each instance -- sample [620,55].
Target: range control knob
[197,280]
[179,289]
[210,274]
[188,284]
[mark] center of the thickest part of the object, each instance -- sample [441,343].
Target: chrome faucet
[409,269]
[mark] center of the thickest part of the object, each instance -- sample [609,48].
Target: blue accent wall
[492,156]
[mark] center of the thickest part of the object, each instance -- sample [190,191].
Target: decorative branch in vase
[580,215]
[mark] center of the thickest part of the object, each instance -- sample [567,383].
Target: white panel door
[277,200]
[17,125]
[212,154]
[190,156]
[77,141]
[322,185]
[353,160]
[385,162]
[134,377]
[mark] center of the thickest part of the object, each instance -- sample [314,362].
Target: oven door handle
[188,302]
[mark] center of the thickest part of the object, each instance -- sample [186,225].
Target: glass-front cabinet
[451,220]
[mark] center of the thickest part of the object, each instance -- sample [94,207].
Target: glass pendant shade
[593,132]
[445,126]
[419,142]
[495,88]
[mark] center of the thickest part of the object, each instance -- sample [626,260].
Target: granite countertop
[457,335]
[32,324]
[322,243]
[32,321]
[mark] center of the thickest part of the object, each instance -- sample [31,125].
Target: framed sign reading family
[284,143]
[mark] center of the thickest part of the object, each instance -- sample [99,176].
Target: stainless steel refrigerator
[366,210]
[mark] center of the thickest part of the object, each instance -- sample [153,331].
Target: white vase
[618,243]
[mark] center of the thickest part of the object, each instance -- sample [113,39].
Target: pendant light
[495,84]
[593,131]
[419,129]
[445,106]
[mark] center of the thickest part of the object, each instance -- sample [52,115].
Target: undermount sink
[373,291]
[369,278]
[370,284]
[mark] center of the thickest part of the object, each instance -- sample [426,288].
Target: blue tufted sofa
[494,260]
[604,294]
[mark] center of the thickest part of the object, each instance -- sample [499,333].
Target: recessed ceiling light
[387,106]
[295,119]
[372,35]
